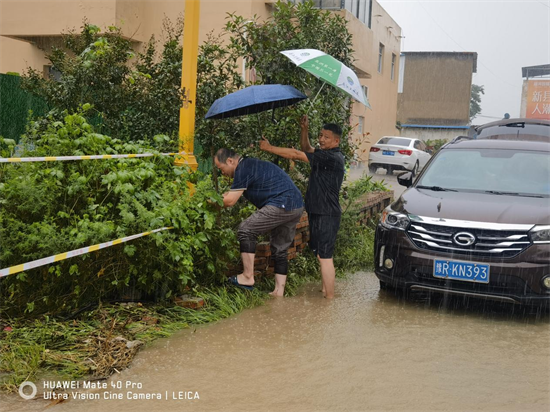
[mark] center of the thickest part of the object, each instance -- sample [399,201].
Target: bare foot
[277,293]
[243,280]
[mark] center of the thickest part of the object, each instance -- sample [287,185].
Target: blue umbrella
[254,99]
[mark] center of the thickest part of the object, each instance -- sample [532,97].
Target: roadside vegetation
[89,315]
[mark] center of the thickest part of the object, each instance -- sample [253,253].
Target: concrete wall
[436,88]
[16,56]
[382,89]
[433,134]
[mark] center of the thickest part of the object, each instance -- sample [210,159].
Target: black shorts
[322,234]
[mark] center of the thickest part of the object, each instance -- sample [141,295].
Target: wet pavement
[367,350]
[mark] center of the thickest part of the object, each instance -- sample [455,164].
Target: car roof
[540,146]
[504,122]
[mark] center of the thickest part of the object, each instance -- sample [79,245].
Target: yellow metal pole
[189,83]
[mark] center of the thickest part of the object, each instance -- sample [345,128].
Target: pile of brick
[372,204]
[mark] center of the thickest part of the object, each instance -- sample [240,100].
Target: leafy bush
[54,207]
[290,27]
[135,96]
[355,242]
[435,145]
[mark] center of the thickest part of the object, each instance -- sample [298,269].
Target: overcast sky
[507,35]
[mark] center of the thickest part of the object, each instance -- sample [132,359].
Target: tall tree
[475,100]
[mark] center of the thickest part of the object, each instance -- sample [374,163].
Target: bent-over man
[280,207]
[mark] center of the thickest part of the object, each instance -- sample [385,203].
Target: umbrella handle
[260,125]
[315,98]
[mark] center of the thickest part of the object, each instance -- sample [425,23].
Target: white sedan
[398,153]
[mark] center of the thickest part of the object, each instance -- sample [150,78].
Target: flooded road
[365,351]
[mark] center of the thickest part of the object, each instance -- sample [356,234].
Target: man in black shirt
[280,207]
[322,196]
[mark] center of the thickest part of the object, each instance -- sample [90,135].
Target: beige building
[28,27]
[434,94]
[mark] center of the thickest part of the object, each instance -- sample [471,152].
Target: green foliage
[355,242]
[16,105]
[435,145]
[55,207]
[475,100]
[135,96]
[290,27]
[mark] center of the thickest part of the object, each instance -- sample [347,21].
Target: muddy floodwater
[367,350]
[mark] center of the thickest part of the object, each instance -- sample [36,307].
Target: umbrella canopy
[254,99]
[330,70]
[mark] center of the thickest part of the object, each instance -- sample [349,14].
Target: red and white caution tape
[77,252]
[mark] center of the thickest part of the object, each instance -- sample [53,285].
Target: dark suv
[476,221]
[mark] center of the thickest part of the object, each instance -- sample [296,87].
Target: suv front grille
[488,241]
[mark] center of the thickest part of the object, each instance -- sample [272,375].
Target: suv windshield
[494,171]
[395,140]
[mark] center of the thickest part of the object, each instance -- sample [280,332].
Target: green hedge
[15,104]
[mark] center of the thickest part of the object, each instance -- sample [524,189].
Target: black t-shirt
[265,183]
[325,180]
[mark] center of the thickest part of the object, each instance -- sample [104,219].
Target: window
[418,145]
[365,91]
[380,57]
[392,66]
[360,124]
[50,72]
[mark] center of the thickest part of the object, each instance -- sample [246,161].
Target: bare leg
[323,287]
[328,274]
[280,282]
[247,277]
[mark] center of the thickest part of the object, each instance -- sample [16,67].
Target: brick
[190,302]
[291,255]
[263,253]
[262,246]
[291,250]
[260,261]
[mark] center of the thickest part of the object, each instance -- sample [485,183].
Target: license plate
[456,270]
[388,153]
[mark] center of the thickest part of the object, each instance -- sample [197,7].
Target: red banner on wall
[538,99]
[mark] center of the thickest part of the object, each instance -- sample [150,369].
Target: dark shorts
[322,234]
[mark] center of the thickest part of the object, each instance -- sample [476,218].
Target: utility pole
[189,84]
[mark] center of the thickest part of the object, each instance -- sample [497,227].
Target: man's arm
[304,135]
[287,153]
[231,197]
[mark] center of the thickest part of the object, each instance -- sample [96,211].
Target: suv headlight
[540,234]
[391,219]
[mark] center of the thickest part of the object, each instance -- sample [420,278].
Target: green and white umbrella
[330,70]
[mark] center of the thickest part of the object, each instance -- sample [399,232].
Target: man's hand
[304,122]
[264,144]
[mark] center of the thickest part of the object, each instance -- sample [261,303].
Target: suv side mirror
[405,179]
